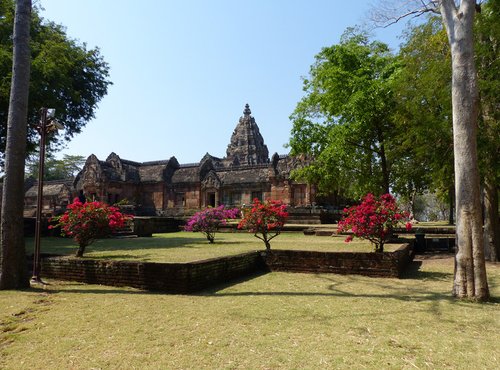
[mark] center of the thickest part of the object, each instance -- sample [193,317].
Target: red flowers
[265,220]
[373,220]
[209,220]
[86,222]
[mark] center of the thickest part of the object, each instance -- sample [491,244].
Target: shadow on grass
[413,271]
[415,295]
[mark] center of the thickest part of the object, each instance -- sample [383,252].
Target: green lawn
[270,321]
[186,247]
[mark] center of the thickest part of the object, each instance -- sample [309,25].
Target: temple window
[180,200]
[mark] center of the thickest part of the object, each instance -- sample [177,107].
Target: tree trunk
[491,222]
[383,163]
[451,203]
[80,251]
[13,274]
[470,269]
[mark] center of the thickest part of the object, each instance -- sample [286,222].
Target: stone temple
[168,188]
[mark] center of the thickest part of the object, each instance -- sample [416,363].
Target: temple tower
[247,145]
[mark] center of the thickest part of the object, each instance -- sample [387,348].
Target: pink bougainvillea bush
[85,222]
[209,220]
[265,220]
[374,220]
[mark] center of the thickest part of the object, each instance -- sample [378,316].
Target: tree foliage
[209,220]
[85,222]
[65,75]
[56,169]
[265,220]
[374,220]
[344,120]
[487,49]
[424,109]
[423,116]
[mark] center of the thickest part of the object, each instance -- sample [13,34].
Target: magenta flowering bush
[265,220]
[374,220]
[209,220]
[85,222]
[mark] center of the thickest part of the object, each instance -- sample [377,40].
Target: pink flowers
[209,220]
[265,220]
[373,220]
[86,222]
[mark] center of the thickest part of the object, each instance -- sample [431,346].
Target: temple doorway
[211,199]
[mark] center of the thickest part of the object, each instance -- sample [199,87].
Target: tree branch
[388,13]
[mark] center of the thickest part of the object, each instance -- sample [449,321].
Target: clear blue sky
[183,70]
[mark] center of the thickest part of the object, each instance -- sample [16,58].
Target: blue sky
[183,70]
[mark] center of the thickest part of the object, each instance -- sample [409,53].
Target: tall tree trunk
[470,270]
[13,274]
[491,221]
[451,203]
[383,162]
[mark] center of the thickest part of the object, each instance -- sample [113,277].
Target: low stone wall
[387,264]
[165,277]
[195,276]
[147,226]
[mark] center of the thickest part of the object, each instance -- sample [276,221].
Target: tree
[423,113]
[488,63]
[470,273]
[209,220]
[57,169]
[424,109]
[265,220]
[344,120]
[458,18]
[13,260]
[85,222]
[374,220]
[65,75]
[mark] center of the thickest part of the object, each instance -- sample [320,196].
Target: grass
[271,321]
[186,247]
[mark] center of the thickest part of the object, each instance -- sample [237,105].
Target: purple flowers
[209,220]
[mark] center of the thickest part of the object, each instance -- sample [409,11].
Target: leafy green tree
[57,169]
[423,113]
[424,110]
[12,254]
[487,32]
[344,120]
[65,75]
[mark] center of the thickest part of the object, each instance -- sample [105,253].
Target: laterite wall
[195,276]
[165,277]
[387,264]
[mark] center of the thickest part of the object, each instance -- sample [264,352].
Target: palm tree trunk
[13,274]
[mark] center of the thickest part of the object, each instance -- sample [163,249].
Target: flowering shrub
[85,222]
[209,220]
[265,220]
[373,220]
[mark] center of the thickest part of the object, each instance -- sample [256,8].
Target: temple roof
[50,189]
[245,175]
[186,175]
[247,144]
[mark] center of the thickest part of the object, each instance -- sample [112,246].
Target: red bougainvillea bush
[209,220]
[265,220]
[85,222]
[374,220]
